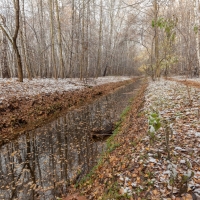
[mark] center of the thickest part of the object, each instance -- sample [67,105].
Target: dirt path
[19,114]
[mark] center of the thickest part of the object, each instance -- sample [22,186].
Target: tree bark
[157,67]
[24,42]
[15,47]
[53,60]
[98,70]
[72,40]
[4,59]
[13,39]
[60,42]
[82,61]
[197,23]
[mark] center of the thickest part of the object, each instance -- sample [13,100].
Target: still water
[41,163]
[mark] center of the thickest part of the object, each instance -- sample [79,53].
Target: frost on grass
[13,88]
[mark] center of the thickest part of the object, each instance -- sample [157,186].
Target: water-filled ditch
[41,163]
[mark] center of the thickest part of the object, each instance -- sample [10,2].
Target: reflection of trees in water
[41,164]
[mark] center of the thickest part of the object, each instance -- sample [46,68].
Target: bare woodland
[68,68]
[91,38]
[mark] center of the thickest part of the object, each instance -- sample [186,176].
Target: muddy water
[41,163]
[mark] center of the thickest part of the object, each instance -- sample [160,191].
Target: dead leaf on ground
[75,197]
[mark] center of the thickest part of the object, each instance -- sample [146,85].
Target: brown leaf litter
[165,167]
[18,114]
[106,178]
[186,82]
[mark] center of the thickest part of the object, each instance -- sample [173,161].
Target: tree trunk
[15,47]
[157,67]
[197,23]
[53,60]
[60,42]
[19,61]
[98,70]
[72,40]
[4,59]
[82,62]
[24,42]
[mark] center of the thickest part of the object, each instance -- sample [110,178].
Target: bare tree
[60,42]
[4,56]
[13,39]
[53,59]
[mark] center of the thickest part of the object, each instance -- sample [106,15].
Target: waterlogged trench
[41,163]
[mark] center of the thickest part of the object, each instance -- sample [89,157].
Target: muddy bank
[20,114]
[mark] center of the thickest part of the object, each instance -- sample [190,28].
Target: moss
[111,145]
[113,192]
[112,189]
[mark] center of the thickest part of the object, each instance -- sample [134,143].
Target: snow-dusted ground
[179,111]
[185,78]
[11,87]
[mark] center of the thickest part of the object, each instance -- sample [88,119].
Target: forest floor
[155,153]
[24,106]
[195,82]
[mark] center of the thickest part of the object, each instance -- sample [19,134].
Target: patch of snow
[168,172]
[188,79]
[182,161]
[173,169]
[152,160]
[179,149]
[152,129]
[170,99]
[197,134]
[134,184]
[12,88]
[189,173]
[126,190]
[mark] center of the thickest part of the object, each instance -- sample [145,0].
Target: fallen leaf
[75,197]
